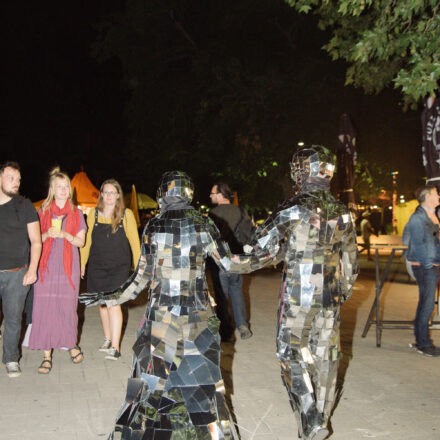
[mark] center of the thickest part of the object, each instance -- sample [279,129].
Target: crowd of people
[52,249]
[43,249]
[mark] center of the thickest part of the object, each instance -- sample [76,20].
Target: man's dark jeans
[13,295]
[427,280]
[232,288]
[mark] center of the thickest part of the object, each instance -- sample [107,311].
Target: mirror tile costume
[314,235]
[175,390]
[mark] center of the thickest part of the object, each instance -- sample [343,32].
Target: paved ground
[387,393]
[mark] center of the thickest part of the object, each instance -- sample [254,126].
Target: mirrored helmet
[175,184]
[311,164]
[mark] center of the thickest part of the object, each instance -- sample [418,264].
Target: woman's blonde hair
[53,175]
[119,205]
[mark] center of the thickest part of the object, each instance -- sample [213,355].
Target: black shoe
[431,350]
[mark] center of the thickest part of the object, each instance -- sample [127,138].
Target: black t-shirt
[14,241]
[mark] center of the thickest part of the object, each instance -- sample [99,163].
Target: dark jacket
[421,236]
[226,217]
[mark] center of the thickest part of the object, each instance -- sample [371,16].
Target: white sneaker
[106,345]
[13,369]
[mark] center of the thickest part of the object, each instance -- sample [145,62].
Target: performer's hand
[83,271]
[90,299]
[247,249]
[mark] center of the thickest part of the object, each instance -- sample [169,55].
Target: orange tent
[235,201]
[85,193]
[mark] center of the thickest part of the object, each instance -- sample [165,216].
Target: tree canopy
[384,41]
[226,90]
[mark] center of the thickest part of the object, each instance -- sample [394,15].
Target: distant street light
[300,144]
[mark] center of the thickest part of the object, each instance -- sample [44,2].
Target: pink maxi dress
[54,315]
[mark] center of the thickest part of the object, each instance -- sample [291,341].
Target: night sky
[62,106]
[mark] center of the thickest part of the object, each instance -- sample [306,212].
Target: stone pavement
[387,393]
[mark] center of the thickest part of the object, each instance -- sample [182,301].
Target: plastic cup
[56,223]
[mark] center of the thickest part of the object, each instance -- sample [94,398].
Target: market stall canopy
[131,202]
[85,193]
[235,201]
[38,204]
[146,202]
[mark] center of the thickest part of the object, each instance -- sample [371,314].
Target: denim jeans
[232,288]
[13,295]
[427,280]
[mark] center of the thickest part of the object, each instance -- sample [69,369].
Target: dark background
[129,89]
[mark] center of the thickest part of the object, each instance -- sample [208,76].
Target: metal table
[375,308]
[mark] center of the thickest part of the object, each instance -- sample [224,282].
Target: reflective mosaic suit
[176,389]
[314,235]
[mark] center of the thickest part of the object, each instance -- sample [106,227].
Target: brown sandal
[75,357]
[43,369]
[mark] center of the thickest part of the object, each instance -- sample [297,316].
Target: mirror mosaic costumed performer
[175,390]
[314,235]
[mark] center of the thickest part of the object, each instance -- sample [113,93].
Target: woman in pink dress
[54,316]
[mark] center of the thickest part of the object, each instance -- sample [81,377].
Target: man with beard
[19,225]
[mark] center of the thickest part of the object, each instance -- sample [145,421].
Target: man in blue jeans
[226,217]
[421,235]
[19,225]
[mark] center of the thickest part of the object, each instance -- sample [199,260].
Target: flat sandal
[42,366]
[80,353]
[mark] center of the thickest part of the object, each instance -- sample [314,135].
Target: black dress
[110,257]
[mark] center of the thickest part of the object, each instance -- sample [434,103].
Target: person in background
[421,235]
[18,226]
[226,217]
[112,245]
[366,231]
[54,314]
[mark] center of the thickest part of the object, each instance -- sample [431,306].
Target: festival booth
[146,202]
[403,213]
[85,194]
[131,202]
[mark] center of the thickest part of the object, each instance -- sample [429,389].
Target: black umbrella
[431,140]
[347,156]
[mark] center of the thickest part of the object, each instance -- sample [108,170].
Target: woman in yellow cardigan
[112,244]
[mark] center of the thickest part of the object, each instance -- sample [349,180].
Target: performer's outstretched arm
[138,281]
[268,245]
